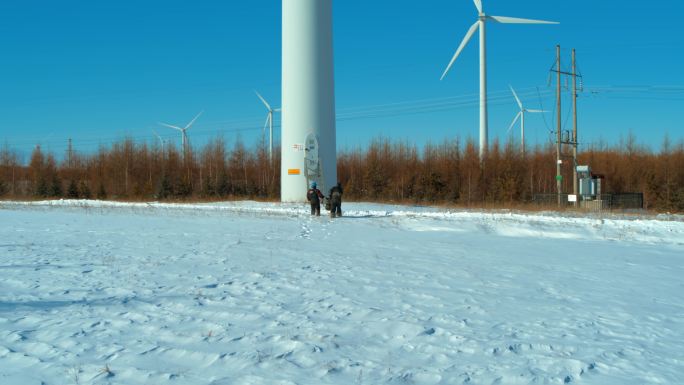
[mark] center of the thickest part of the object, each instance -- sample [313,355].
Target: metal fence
[623,201]
[627,201]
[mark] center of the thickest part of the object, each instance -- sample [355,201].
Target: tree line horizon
[448,172]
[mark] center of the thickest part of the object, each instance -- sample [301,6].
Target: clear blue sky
[98,71]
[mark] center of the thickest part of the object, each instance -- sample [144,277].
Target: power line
[420,106]
[541,107]
[411,107]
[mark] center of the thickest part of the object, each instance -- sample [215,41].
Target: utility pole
[574,128]
[569,139]
[559,177]
[69,154]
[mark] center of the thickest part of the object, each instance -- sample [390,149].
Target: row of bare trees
[451,172]
[127,170]
[447,172]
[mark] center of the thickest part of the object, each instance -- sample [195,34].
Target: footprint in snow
[306,231]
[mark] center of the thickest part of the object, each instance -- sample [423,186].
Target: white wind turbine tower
[481,24]
[183,131]
[269,123]
[521,116]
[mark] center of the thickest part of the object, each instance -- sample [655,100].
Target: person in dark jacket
[314,197]
[336,201]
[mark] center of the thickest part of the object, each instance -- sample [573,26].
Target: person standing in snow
[314,197]
[336,201]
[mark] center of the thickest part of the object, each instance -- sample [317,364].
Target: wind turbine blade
[535,111]
[193,120]
[268,119]
[478,5]
[277,110]
[171,126]
[517,99]
[515,20]
[465,41]
[263,100]
[514,121]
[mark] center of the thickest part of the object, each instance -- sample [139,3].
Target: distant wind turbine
[269,123]
[183,131]
[521,116]
[161,141]
[481,23]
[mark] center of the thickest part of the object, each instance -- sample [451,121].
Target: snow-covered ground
[259,293]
